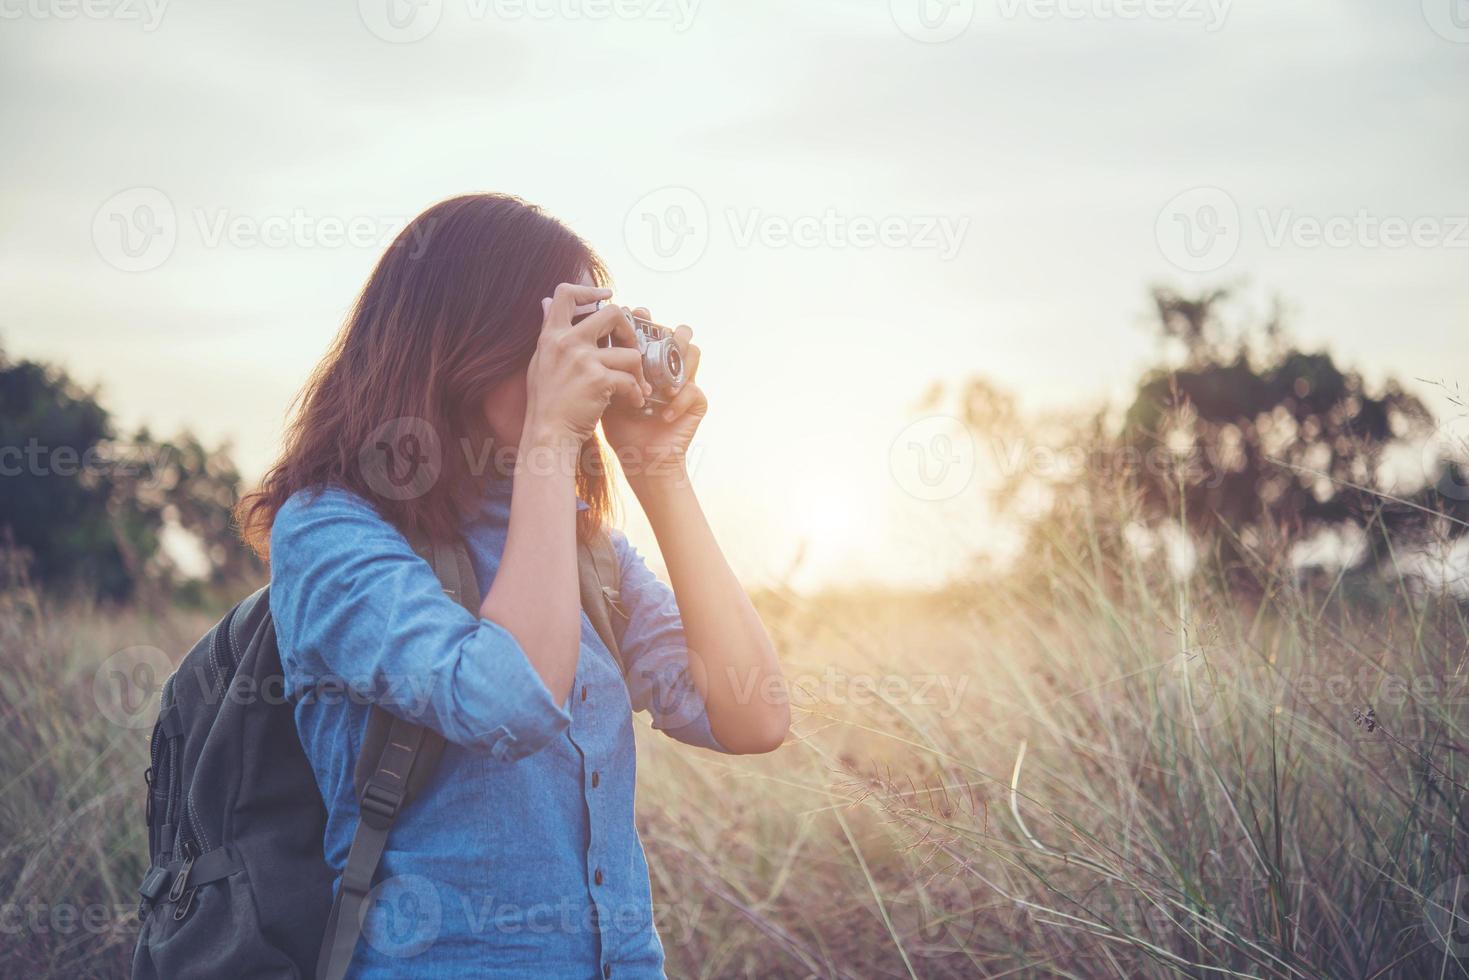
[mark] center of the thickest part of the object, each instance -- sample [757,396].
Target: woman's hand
[571,379]
[568,384]
[657,445]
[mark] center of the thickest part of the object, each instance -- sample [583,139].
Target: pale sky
[846,207]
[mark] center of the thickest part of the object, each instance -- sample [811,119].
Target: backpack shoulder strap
[600,579]
[397,758]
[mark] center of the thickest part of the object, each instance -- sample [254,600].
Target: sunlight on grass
[1098,770]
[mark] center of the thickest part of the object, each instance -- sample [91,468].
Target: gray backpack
[237,885]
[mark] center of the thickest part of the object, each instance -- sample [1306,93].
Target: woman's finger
[689,396]
[620,384]
[567,297]
[683,336]
[583,310]
[610,319]
[626,360]
[691,363]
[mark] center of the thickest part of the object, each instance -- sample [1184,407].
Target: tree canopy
[88,510]
[1252,444]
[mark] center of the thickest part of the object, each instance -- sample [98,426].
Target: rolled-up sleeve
[655,654]
[355,606]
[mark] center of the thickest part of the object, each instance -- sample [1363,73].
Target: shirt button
[596,778]
[583,692]
[598,876]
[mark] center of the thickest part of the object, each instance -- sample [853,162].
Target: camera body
[663,362]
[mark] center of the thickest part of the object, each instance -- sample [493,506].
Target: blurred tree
[46,423]
[1255,440]
[1246,440]
[91,511]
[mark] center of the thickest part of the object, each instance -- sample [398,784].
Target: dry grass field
[1092,770]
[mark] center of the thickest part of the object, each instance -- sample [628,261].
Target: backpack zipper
[151,779]
[181,892]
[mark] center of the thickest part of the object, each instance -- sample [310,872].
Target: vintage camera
[663,362]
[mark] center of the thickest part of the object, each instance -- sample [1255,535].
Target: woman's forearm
[535,595]
[732,660]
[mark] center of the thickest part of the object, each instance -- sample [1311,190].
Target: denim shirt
[520,858]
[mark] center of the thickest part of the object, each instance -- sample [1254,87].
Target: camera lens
[663,364]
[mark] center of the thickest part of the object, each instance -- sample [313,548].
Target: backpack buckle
[155,883]
[381,803]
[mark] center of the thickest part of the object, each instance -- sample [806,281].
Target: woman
[461,401]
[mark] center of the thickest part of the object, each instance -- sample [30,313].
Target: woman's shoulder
[633,570]
[621,546]
[328,499]
[316,509]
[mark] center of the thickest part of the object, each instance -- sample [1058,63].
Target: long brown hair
[452,307]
